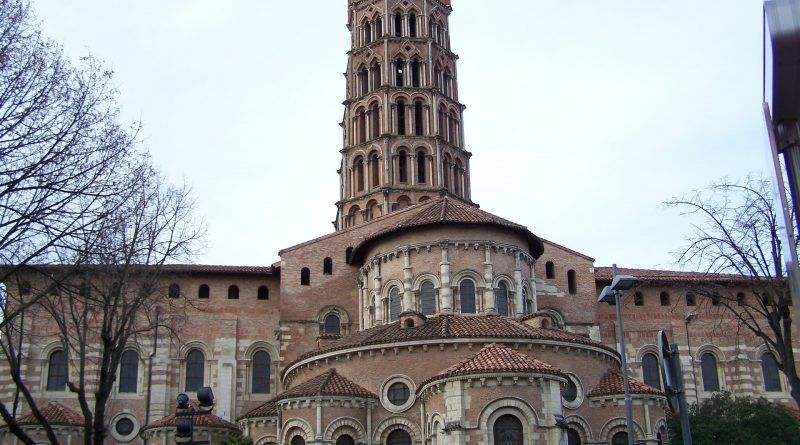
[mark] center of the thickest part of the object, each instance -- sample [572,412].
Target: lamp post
[185,414]
[620,283]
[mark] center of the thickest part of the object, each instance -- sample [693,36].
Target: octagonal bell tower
[403,134]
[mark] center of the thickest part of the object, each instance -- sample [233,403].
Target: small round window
[572,392]
[398,393]
[124,427]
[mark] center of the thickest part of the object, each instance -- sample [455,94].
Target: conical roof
[55,414]
[612,383]
[266,409]
[210,420]
[329,383]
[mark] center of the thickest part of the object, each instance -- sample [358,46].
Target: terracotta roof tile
[329,383]
[55,414]
[603,274]
[266,409]
[207,420]
[451,326]
[497,358]
[449,210]
[612,383]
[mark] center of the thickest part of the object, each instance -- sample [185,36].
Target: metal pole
[621,328]
[686,428]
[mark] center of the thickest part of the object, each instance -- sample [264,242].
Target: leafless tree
[736,231]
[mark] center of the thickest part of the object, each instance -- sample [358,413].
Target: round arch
[617,424]
[296,426]
[580,425]
[333,309]
[516,407]
[712,349]
[646,349]
[426,277]
[344,423]
[554,315]
[480,283]
[188,346]
[506,279]
[266,440]
[395,422]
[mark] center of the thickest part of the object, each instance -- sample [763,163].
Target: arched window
[412,25]
[466,293]
[708,368]
[395,304]
[415,74]
[305,277]
[57,371]
[398,24]
[398,437]
[451,129]
[769,369]
[573,437]
[690,299]
[638,299]
[446,84]
[446,170]
[367,33]
[399,72]
[378,28]
[740,298]
[507,430]
[403,202]
[402,166]
[650,372]
[572,283]
[345,439]
[233,292]
[421,167]
[359,172]
[401,117]
[332,325]
[348,253]
[297,440]
[664,299]
[427,295]
[418,119]
[363,84]
[362,125]
[377,77]
[351,215]
[327,266]
[458,174]
[526,305]
[373,209]
[174,291]
[620,438]
[203,291]
[375,168]
[128,371]
[501,298]
[195,370]
[263,293]
[375,116]
[262,363]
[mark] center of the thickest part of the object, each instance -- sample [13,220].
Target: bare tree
[115,298]
[736,231]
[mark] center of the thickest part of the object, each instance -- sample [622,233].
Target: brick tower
[403,138]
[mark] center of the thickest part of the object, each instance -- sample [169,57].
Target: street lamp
[185,413]
[609,294]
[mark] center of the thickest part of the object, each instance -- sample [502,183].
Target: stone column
[489,303]
[534,297]
[376,293]
[445,293]
[408,292]
[519,304]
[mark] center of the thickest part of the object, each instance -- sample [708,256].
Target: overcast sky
[582,116]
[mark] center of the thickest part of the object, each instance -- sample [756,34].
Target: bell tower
[403,134]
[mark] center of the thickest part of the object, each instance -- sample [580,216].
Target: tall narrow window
[233,292]
[650,372]
[375,166]
[174,291]
[367,34]
[305,277]
[362,125]
[327,266]
[395,304]
[446,84]
[261,372]
[375,121]
[638,299]
[446,170]
[363,82]
[401,117]
[572,282]
[377,79]
[378,28]
[402,166]
[458,174]
[359,172]
[507,430]
[769,369]
[418,118]
[664,299]
[128,371]
[549,270]
[501,298]
[443,124]
[195,370]
[332,325]
[466,293]
[263,293]
[427,295]
[348,253]
[203,291]
[573,437]
[436,74]
[421,167]
[57,371]
[415,74]
[412,25]
[690,299]
[399,74]
[708,366]
[398,24]
[451,128]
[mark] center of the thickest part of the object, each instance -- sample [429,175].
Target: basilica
[422,319]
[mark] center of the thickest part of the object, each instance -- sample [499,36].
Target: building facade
[422,319]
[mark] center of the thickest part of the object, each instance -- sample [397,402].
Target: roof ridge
[331,372]
[444,208]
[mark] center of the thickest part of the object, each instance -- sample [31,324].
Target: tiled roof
[55,414]
[207,420]
[603,274]
[612,384]
[451,326]
[448,210]
[217,269]
[329,383]
[266,409]
[497,358]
